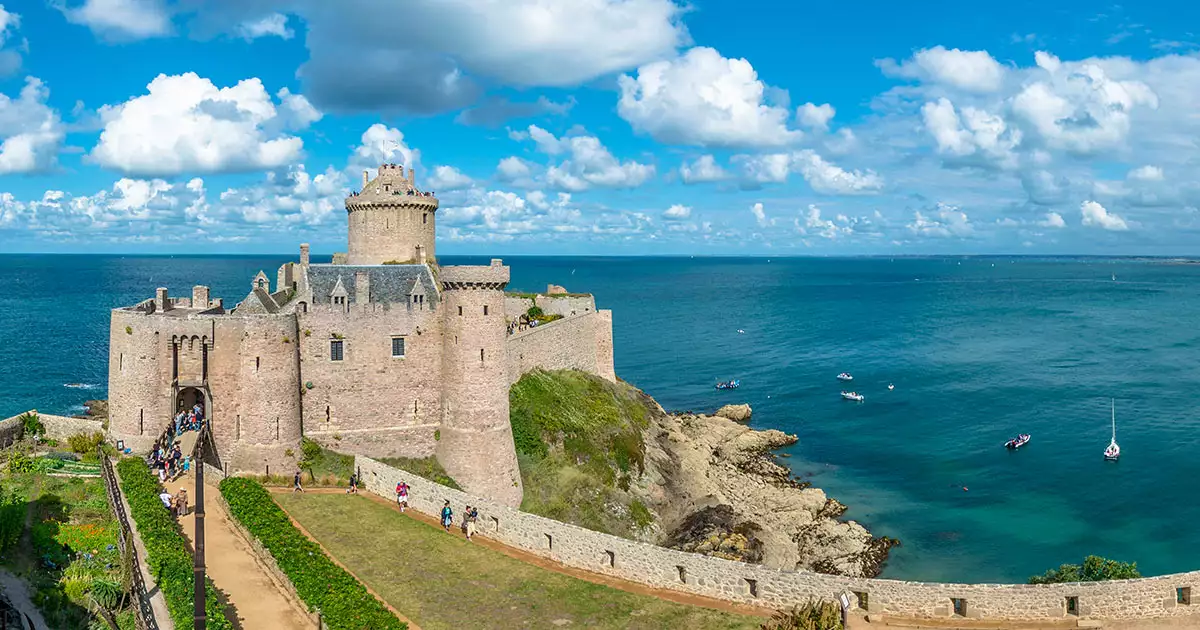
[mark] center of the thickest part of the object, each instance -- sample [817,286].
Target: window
[398,347]
[1072,605]
[418,299]
[485,309]
[460,311]
[752,587]
[960,606]
[335,350]
[481,355]
[425,218]
[1183,595]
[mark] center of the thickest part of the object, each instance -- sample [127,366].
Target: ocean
[979,349]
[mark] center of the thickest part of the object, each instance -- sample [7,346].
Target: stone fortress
[382,353]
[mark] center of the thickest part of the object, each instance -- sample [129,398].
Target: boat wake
[80,385]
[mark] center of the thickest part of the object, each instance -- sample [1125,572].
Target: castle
[382,353]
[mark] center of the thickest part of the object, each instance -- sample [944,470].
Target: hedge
[344,603]
[167,553]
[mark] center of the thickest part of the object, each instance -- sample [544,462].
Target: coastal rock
[554,289]
[718,491]
[737,413]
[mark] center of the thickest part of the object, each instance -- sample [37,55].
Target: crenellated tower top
[391,220]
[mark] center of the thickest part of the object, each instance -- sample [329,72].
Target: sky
[604,127]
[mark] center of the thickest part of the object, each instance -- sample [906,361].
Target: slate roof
[389,283]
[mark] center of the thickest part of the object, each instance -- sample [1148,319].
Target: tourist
[296,487]
[402,495]
[181,503]
[353,489]
[166,498]
[471,515]
[447,516]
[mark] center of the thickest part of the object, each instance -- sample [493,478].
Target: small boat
[845,376]
[1113,452]
[77,385]
[741,332]
[734,384]
[891,387]
[1017,442]
[855,396]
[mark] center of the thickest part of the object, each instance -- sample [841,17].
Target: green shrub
[84,443]
[12,519]
[535,312]
[20,463]
[813,615]
[167,552]
[427,467]
[1093,569]
[344,603]
[33,425]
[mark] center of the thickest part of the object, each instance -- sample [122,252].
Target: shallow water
[979,349]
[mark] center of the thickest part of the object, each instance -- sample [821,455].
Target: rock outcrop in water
[737,413]
[718,491]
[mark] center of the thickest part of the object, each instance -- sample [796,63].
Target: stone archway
[188,397]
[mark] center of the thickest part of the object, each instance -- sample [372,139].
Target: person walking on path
[402,496]
[296,487]
[447,516]
[353,489]
[471,515]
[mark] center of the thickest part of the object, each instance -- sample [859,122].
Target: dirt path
[550,565]
[257,598]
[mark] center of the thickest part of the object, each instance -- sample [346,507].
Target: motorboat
[891,387]
[734,384]
[1113,451]
[741,332]
[855,396]
[845,376]
[1017,442]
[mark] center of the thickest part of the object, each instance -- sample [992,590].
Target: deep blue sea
[979,349]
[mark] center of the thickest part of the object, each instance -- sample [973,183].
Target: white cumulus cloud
[968,70]
[1053,220]
[815,116]
[704,169]
[702,98]
[447,178]
[589,163]
[121,19]
[185,123]
[677,212]
[1096,215]
[829,179]
[977,132]
[1147,173]
[30,130]
[945,221]
[272,25]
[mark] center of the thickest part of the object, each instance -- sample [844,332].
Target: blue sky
[604,126]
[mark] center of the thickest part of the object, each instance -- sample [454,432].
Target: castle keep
[382,353]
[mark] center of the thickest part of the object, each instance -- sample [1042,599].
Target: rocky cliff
[608,457]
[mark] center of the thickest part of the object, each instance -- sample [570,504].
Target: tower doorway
[188,397]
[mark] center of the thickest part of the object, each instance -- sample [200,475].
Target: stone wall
[660,567]
[62,427]
[581,342]
[565,305]
[11,430]
[371,402]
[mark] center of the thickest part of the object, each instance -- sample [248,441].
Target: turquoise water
[979,349]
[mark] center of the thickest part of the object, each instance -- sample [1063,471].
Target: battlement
[390,219]
[201,303]
[493,276]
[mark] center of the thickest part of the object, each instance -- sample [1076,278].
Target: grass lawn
[443,582]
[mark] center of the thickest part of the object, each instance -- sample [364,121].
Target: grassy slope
[443,582]
[579,443]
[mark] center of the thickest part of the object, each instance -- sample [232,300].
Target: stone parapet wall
[11,430]
[579,342]
[660,567]
[63,427]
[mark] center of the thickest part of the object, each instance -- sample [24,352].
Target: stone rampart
[580,342]
[660,567]
[63,427]
[11,430]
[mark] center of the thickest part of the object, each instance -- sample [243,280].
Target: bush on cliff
[1093,569]
[344,603]
[813,615]
[167,552]
[580,446]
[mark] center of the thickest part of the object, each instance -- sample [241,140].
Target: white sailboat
[1113,452]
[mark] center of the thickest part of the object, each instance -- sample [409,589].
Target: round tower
[391,221]
[475,444]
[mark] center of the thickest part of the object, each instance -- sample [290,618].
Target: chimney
[162,303]
[366,179]
[410,174]
[200,297]
[304,254]
[217,303]
[362,287]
